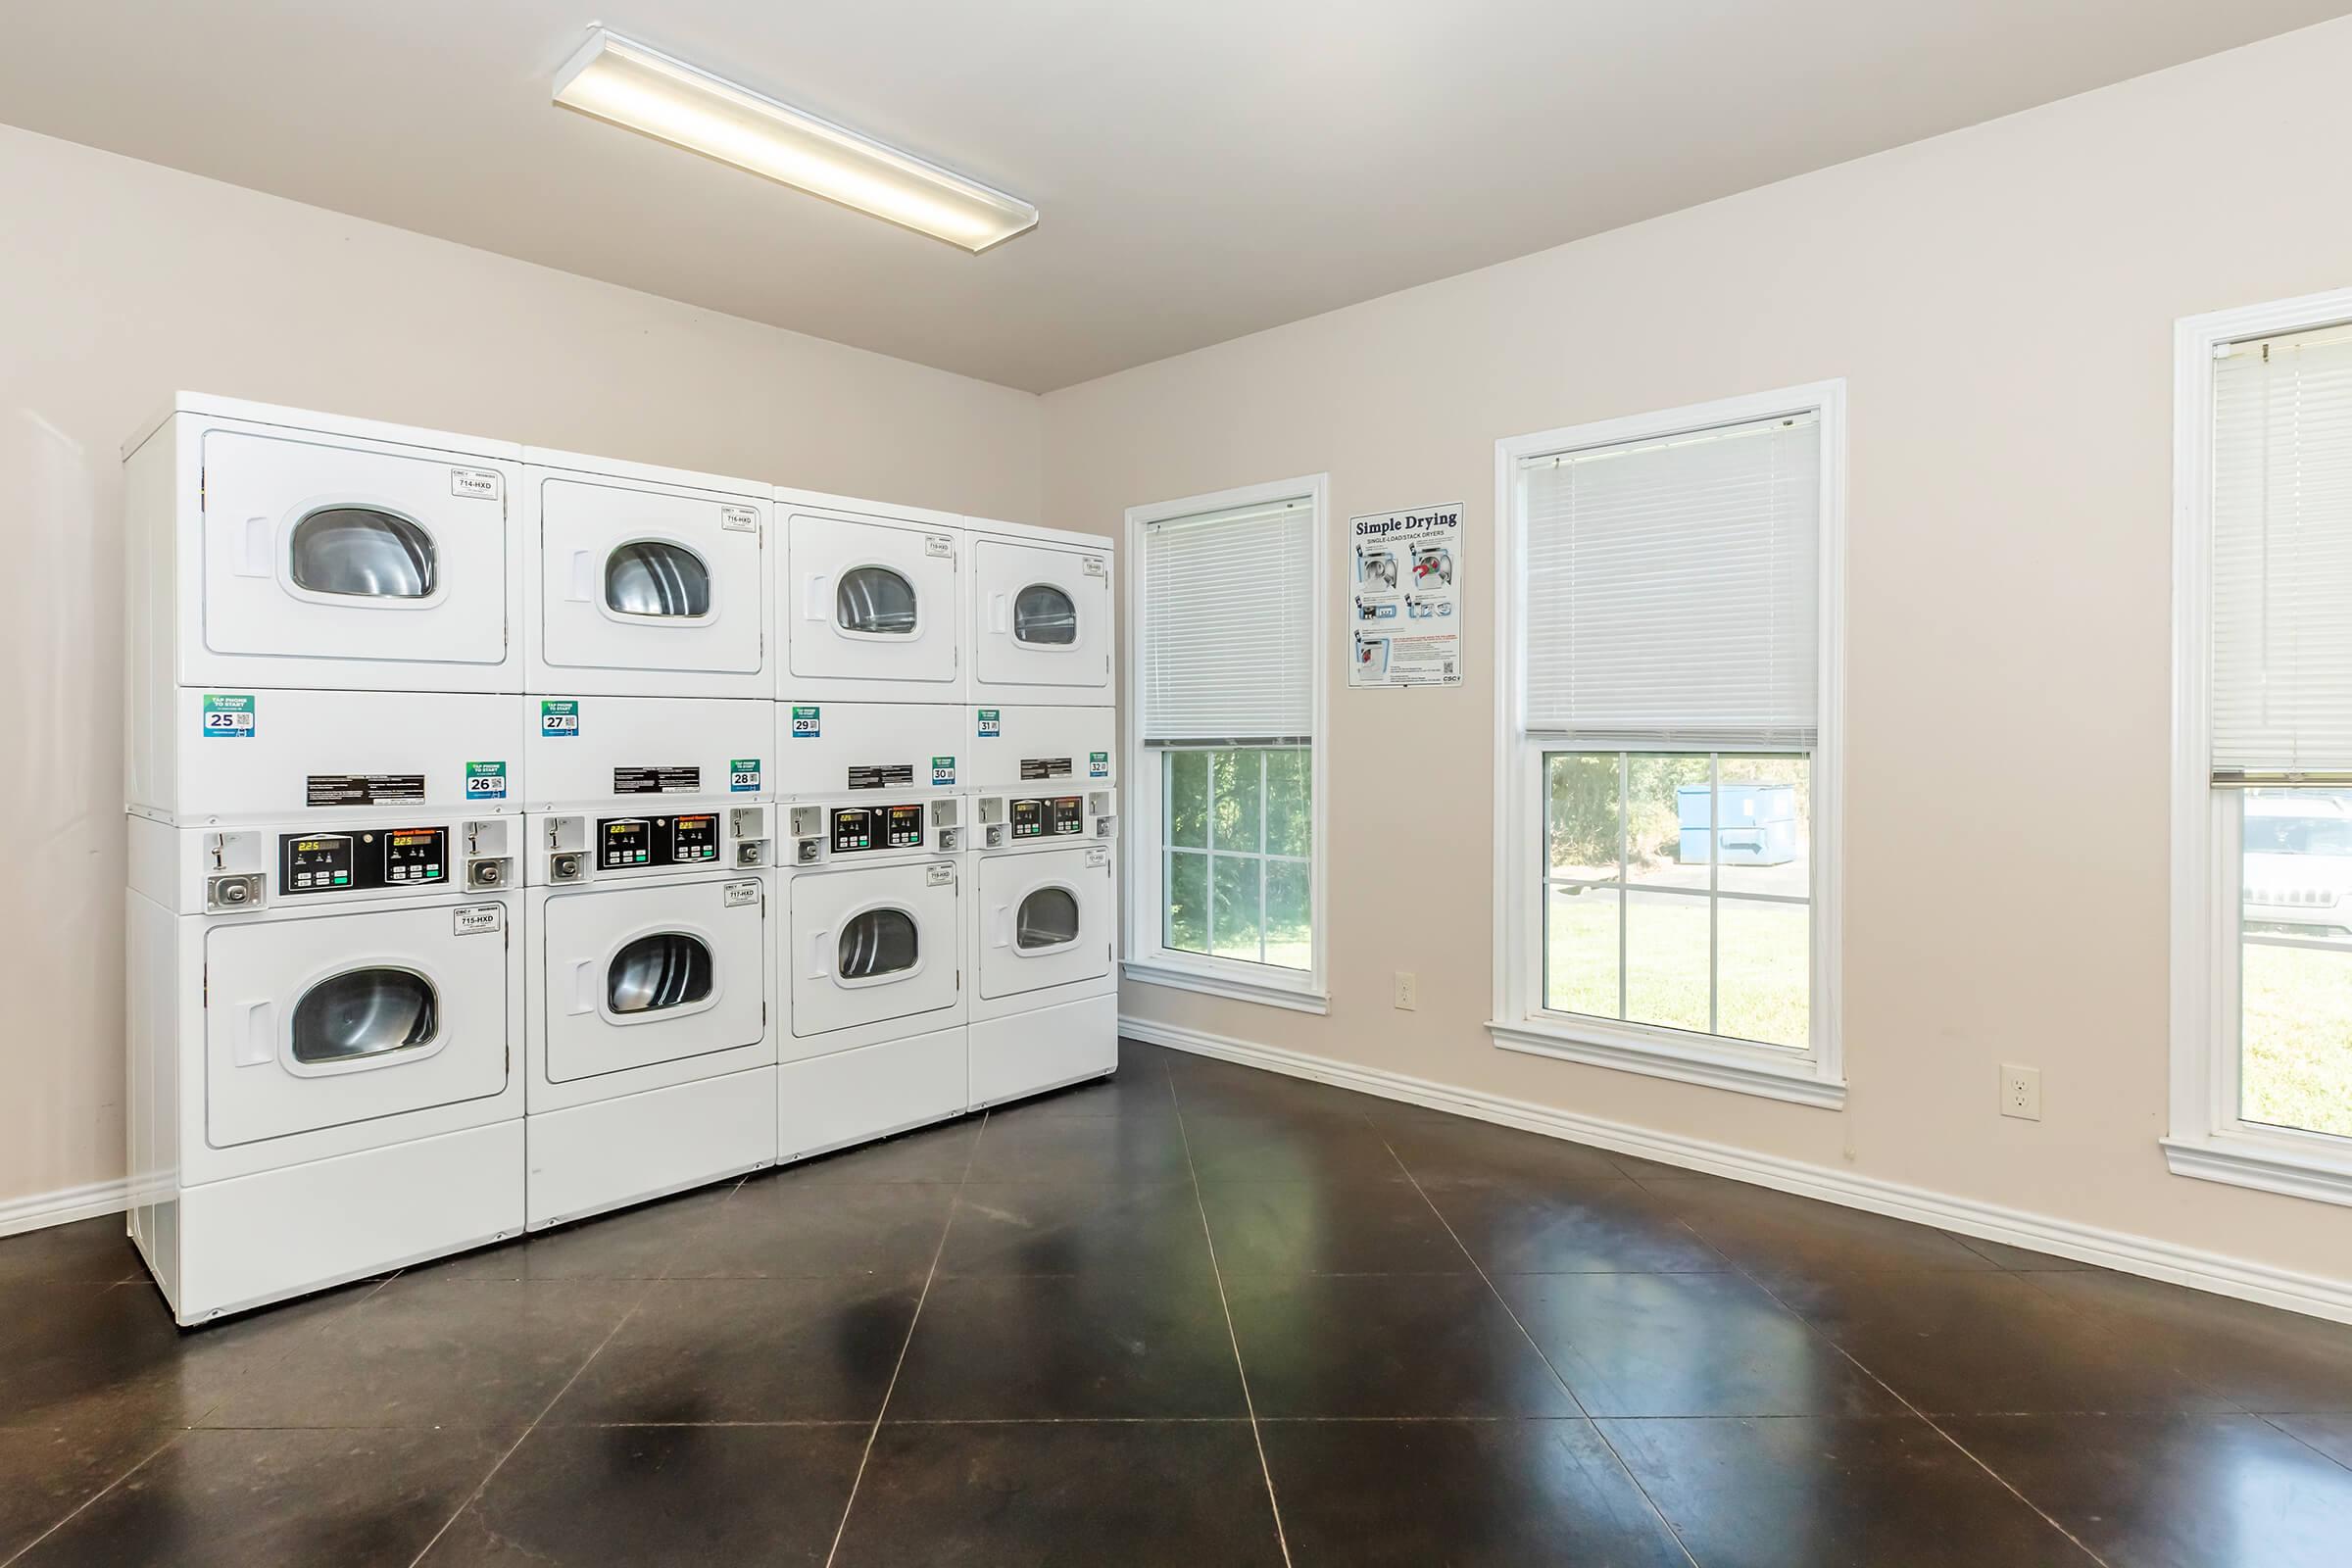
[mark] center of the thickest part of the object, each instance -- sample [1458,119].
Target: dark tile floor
[1195,1315]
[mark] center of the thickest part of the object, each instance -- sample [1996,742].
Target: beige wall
[2000,303]
[120,281]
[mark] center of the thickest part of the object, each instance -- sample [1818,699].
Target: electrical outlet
[2021,1092]
[1408,989]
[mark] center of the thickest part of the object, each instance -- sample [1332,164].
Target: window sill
[2264,1167]
[1741,1070]
[1298,997]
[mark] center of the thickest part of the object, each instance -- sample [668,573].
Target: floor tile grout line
[873,1432]
[2270,1418]
[1932,1424]
[645,1288]
[1240,1368]
[1541,1354]
[77,1512]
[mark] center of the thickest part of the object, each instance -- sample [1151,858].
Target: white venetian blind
[1672,589]
[1228,625]
[2282,556]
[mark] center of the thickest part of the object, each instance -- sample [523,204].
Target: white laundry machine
[323,1073]
[1044,935]
[654,754]
[650,1016]
[273,548]
[868,602]
[870,965]
[1022,748]
[828,749]
[196,756]
[647,581]
[1039,625]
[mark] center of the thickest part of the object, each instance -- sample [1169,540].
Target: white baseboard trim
[2217,1272]
[37,1211]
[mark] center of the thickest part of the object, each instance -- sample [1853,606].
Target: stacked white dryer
[870,794]
[652,1015]
[1044,933]
[324,974]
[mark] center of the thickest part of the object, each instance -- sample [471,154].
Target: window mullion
[1625,892]
[1714,889]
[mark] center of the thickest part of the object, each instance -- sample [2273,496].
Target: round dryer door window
[649,577]
[875,599]
[667,969]
[1048,918]
[363,553]
[365,1012]
[1043,615]
[878,943]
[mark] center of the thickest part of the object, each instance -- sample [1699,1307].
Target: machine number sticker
[228,716]
[939,876]
[559,717]
[939,545]
[478,918]
[743,775]
[1098,855]
[1098,764]
[485,781]
[477,484]
[1096,569]
[992,723]
[739,519]
[943,770]
[806,724]
[737,893]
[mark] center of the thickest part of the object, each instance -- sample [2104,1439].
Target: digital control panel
[877,827]
[639,843]
[1058,817]
[353,862]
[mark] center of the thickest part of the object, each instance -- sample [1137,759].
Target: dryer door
[1044,622]
[341,1018]
[866,599]
[317,551]
[873,945]
[638,975]
[1046,919]
[644,580]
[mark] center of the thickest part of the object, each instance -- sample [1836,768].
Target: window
[876,602]
[362,553]
[1043,616]
[362,1013]
[658,972]
[1666,793]
[1225,611]
[649,577]
[2262,970]
[877,944]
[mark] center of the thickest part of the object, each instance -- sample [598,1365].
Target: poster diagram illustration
[1405,609]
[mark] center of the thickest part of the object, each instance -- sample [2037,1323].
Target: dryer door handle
[583,986]
[1000,613]
[1004,924]
[812,597]
[257,1040]
[253,548]
[818,968]
[583,577]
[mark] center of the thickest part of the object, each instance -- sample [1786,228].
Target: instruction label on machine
[1404,607]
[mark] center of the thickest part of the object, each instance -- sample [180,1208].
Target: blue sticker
[558,718]
[228,716]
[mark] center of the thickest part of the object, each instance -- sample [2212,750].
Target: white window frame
[2207,1138]
[1146,958]
[1814,1076]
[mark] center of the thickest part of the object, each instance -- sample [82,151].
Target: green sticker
[558,718]
[228,716]
[992,723]
[805,724]
[743,775]
[485,781]
[943,770]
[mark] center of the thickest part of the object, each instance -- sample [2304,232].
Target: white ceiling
[1206,167]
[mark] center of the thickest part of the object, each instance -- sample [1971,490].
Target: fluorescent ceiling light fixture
[645,90]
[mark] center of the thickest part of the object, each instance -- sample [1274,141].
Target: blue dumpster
[1758,828]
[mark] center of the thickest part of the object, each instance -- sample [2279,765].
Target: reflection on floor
[1195,1315]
